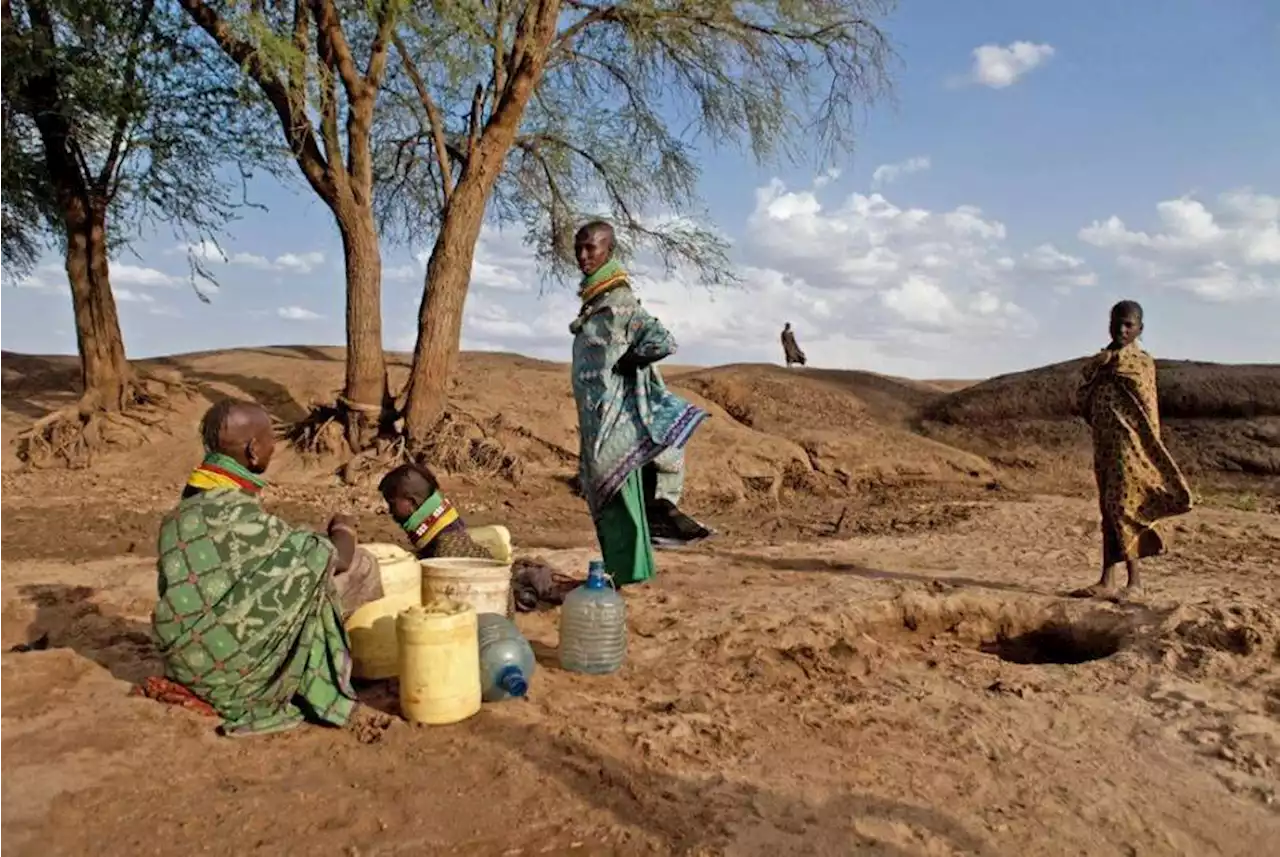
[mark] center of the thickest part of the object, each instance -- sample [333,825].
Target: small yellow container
[496,539]
[372,627]
[439,662]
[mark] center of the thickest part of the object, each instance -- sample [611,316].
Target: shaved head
[598,228]
[241,430]
[406,488]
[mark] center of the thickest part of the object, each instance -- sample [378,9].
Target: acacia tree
[319,65]
[556,109]
[25,204]
[112,121]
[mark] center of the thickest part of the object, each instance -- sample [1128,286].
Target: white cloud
[53,279]
[999,67]
[889,173]
[402,273]
[1227,251]
[299,263]
[1068,270]
[866,283]
[504,266]
[210,252]
[501,262]
[890,266]
[33,282]
[827,178]
[46,278]
[130,297]
[297,313]
[134,275]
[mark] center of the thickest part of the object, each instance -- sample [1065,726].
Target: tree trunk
[440,315]
[105,374]
[449,269]
[365,395]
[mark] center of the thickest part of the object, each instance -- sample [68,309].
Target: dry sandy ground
[879,687]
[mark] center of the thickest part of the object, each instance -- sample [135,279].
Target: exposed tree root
[460,444]
[72,436]
[463,444]
[318,434]
[325,430]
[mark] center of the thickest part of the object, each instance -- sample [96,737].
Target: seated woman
[249,616]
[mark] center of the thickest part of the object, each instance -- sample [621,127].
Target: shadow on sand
[823,565]
[35,386]
[707,814]
[69,618]
[272,395]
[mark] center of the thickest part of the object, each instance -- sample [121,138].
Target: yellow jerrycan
[371,629]
[439,662]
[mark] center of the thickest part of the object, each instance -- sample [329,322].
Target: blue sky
[1091,151]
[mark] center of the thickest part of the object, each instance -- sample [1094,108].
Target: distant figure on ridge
[627,417]
[790,350]
[1139,483]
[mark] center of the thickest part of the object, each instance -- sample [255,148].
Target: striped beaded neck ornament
[431,519]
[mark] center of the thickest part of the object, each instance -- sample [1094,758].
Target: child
[427,517]
[1138,481]
[436,531]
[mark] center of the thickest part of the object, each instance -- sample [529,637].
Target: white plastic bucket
[401,574]
[485,584]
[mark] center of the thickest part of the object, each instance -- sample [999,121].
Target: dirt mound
[854,427]
[803,433]
[1217,419]
[1228,640]
[1188,390]
[785,398]
[813,433]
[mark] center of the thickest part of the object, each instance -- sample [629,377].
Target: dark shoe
[671,528]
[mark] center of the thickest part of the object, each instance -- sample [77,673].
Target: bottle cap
[512,680]
[597,577]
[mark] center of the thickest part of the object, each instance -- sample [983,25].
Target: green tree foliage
[542,113]
[27,201]
[318,67]
[114,121]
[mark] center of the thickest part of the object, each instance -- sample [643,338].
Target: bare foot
[1096,591]
[1133,595]
[368,724]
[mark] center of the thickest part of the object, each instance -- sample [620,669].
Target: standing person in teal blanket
[626,416]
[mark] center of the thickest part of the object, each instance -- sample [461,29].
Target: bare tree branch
[107,176]
[298,129]
[334,40]
[435,121]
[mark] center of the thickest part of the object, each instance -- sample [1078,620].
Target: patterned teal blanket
[625,419]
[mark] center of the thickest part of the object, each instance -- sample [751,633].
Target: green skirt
[623,532]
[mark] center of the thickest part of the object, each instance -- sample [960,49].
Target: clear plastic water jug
[506,659]
[593,625]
